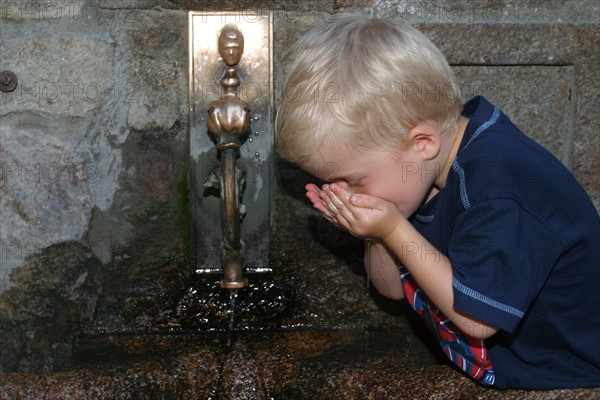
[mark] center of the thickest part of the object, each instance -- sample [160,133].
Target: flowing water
[233,295]
[206,307]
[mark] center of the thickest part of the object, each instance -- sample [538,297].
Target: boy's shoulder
[496,154]
[498,161]
[492,136]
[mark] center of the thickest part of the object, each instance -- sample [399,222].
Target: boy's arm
[433,272]
[382,270]
[368,216]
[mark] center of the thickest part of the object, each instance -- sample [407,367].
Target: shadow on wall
[53,296]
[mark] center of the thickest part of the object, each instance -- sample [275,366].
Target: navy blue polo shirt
[523,238]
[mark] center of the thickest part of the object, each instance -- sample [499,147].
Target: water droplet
[256,133]
[257,155]
[250,139]
[256,117]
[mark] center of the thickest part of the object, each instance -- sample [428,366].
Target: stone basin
[292,364]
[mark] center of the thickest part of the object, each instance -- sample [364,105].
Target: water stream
[217,388]
[235,311]
[233,295]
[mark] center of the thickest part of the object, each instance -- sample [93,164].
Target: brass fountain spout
[228,124]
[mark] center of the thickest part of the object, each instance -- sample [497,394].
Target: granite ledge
[275,365]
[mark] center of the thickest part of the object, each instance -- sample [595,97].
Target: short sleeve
[501,256]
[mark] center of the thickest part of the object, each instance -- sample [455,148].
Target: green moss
[183,214]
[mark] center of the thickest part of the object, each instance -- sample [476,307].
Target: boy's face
[398,176]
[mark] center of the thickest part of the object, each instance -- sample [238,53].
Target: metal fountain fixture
[231,143]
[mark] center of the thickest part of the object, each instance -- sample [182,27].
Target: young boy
[485,233]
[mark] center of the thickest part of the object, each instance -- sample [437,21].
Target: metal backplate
[255,155]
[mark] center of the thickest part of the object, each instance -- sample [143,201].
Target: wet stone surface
[205,305]
[336,364]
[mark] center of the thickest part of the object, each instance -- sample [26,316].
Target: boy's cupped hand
[361,215]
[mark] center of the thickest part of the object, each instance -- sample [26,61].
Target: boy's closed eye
[355,183]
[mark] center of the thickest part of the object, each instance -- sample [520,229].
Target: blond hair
[363,82]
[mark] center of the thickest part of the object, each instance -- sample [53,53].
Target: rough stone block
[154,63]
[58,75]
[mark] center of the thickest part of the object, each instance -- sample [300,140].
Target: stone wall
[93,151]
[94,146]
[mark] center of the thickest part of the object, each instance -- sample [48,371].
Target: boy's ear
[425,140]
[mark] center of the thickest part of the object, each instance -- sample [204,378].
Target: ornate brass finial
[231,45]
[229,117]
